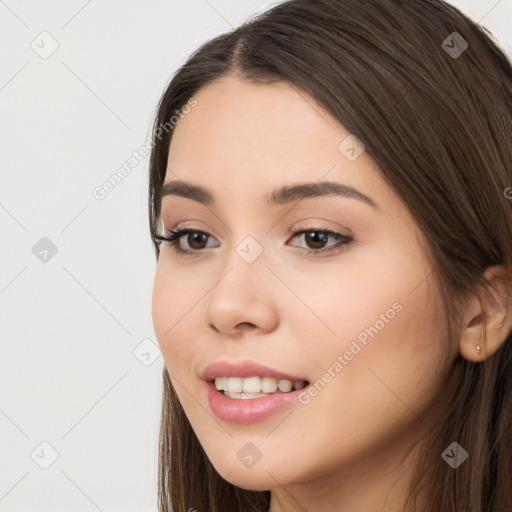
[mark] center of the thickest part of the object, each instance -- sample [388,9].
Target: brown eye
[316,240]
[195,239]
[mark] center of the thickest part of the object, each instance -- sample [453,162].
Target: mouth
[246,391]
[240,388]
[246,407]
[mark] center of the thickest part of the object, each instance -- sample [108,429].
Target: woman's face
[357,318]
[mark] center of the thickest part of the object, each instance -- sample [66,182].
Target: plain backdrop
[80,368]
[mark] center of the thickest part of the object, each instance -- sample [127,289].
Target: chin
[250,481]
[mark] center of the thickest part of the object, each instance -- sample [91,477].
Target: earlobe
[488,317]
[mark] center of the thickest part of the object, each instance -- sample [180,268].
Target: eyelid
[342,240]
[347,232]
[186,226]
[174,235]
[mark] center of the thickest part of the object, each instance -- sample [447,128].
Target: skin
[354,445]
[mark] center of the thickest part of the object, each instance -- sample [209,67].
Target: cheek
[172,306]
[387,326]
[393,359]
[162,303]
[345,299]
[385,389]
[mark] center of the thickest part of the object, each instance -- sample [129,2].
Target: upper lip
[245,368]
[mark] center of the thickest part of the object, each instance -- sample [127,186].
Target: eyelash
[172,237]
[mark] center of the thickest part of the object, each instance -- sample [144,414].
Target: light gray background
[80,367]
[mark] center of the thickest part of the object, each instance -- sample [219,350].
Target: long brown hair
[439,126]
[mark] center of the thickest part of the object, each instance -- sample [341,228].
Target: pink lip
[251,410]
[245,369]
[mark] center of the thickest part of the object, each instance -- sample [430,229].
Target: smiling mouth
[256,387]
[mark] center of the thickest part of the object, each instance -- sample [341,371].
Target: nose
[242,299]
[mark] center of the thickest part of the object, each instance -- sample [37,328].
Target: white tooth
[244,396]
[251,385]
[221,383]
[268,384]
[234,384]
[256,385]
[284,385]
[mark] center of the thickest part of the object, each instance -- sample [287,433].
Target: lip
[250,410]
[244,369]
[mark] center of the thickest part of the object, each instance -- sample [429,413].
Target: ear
[494,301]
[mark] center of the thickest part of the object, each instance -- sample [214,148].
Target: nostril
[246,325]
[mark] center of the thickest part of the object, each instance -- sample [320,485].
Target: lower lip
[250,410]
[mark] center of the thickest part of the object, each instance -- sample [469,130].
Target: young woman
[329,201]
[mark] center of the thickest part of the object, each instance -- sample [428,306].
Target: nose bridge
[242,293]
[244,268]
[247,244]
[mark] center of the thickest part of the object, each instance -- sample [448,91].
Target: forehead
[246,139]
[242,123]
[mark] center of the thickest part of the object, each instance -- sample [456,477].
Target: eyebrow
[281,196]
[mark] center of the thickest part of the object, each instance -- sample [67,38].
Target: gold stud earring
[478,349]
